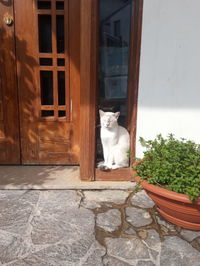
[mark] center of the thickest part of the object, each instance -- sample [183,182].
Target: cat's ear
[101,113]
[117,114]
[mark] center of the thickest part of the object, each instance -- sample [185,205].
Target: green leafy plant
[172,164]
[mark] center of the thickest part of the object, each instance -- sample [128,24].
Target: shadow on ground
[30,176]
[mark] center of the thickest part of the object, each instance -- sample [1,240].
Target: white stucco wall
[169,87]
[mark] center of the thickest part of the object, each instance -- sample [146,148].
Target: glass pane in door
[46,85]
[52,58]
[45,36]
[60,34]
[114,50]
[61,88]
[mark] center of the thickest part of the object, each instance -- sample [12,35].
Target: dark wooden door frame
[89,79]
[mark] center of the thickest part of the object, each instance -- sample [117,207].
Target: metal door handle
[8,19]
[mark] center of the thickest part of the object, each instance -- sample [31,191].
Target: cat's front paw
[115,166]
[103,167]
[100,164]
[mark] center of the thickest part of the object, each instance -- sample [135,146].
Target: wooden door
[47,50]
[9,127]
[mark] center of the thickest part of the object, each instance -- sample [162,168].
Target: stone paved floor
[65,227]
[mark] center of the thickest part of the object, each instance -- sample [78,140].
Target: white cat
[115,140]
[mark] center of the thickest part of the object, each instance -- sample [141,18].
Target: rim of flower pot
[165,192]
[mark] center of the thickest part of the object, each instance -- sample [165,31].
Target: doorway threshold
[53,177]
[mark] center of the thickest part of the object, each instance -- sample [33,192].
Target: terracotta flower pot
[174,207]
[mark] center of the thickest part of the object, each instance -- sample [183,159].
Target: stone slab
[130,231]
[141,199]
[127,250]
[175,251]
[12,247]
[80,253]
[166,224]
[145,263]
[94,199]
[190,235]
[138,217]
[153,240]
[59,217]
[110,261]
[52,228]
[110,220]
[52,177]
[16,208]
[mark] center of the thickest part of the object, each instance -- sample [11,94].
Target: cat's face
[108,119]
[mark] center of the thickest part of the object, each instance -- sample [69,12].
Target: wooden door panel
[25,31]
[9,122]
[50,146]
[1,101]
[2,131]
[47,67]
[59,148]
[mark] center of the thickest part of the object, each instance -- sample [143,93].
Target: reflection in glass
[61,88]
[114,49]
[44,5]
[46,61]
[117,28]
[60,34]
[59,5]
[61,113]
[44,28]
[115,22]
[47,113]
[46,85]
[60,61]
